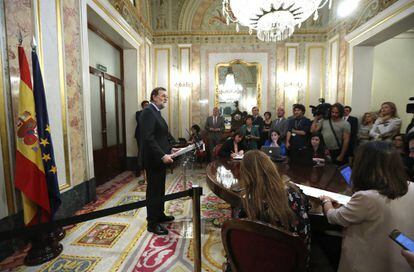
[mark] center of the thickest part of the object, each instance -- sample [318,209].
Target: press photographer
[335,131]
[322,109]
[410,109]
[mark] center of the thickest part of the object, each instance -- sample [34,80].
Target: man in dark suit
[214,127]
[144,104]
[257,122]
[280,124]
[353,121]
[156,154]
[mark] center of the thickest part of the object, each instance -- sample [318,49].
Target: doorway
[108,137]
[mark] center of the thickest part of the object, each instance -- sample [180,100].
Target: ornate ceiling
[180,18]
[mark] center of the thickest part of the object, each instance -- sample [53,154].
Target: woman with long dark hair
[382,201]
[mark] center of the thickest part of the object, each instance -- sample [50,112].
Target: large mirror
[238,89]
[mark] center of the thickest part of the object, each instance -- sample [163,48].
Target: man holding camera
[336,133]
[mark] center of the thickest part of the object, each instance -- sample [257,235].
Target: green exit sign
[101,68]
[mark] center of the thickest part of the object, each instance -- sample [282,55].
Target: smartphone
[402,240]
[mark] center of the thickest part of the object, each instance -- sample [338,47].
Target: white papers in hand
[183,150]
[315,192]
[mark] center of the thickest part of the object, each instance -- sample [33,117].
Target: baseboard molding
[74,199]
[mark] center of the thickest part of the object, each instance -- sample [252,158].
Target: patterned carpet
[121,242]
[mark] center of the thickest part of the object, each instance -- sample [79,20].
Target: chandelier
[230,91]
[273,20]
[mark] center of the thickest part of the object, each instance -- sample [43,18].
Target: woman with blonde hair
[388,124]
[367,122]
[268,198]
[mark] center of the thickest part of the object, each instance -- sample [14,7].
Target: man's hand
[167,159]
[287,145]
[340,158]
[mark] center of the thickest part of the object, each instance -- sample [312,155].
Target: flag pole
[45,245]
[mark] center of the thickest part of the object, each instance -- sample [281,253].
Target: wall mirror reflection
[238,89]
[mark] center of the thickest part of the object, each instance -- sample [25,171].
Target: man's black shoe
[166,218]
[157,229]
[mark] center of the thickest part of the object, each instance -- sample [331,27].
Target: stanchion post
[197,192]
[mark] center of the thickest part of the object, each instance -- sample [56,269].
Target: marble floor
[122,243]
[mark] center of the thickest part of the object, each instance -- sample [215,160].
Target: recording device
[322,109]
[410,106]
[402,240]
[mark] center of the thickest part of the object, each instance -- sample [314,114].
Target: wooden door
[108,129]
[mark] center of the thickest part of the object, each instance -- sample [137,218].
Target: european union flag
[45,139]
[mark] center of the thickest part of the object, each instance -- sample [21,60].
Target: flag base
[60,233]
[45,247]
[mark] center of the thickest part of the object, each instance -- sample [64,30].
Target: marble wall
[72,44]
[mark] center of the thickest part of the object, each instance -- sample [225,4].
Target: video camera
[322,109]
[410,106]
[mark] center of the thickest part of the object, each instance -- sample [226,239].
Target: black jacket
[154,133]
[137,129]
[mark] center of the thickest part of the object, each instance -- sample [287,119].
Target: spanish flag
[29,174]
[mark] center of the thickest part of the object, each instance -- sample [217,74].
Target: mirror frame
[249,64]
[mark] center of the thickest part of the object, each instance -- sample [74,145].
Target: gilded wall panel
[280,68]
[143,73]
[72,45]
[343,56]
[196,92]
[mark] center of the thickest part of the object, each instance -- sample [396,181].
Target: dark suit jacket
[154,133]
[280,126]
[137,129]
[210,124]
[353,121]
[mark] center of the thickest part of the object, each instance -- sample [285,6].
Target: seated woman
[382,202]
[267,123]
[275,142]
[388,124]
[267,198]
[195,135]
[233,146]
[398,143]
[320,153]
[251,133]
